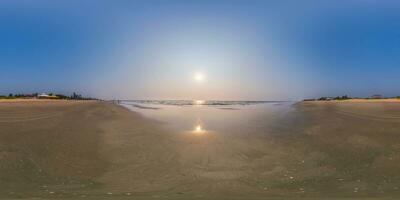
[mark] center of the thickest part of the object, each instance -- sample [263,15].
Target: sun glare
[199,102]
[199,77]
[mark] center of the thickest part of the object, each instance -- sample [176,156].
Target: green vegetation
[61,96]
[74,96]
[9,96]
[6,97]
[345,97]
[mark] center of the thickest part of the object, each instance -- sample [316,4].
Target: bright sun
[198,77]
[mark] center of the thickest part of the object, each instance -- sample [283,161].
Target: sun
[198,76]
[199,102]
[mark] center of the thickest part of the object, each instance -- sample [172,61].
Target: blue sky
[245,49]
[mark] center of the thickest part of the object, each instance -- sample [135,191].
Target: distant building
[325,99]
[43,95]
[376,96]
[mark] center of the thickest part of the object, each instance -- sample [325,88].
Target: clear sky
[252,50]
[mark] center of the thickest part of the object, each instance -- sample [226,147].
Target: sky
[244,50]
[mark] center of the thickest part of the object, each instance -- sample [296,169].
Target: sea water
[212,116]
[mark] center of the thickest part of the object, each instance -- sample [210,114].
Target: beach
[90,149]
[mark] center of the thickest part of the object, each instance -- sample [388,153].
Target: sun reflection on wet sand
[198,129]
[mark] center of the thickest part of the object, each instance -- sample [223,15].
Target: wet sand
[97,150]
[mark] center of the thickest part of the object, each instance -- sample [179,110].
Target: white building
[43,95]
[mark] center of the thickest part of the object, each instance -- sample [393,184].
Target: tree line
[73,96]
[346,97]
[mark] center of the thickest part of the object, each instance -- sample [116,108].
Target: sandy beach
[92,150]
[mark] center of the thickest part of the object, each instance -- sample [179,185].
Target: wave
[145,107]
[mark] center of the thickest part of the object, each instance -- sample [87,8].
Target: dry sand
[96,150]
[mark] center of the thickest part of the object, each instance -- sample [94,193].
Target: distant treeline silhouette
[346,97]
[74,96]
